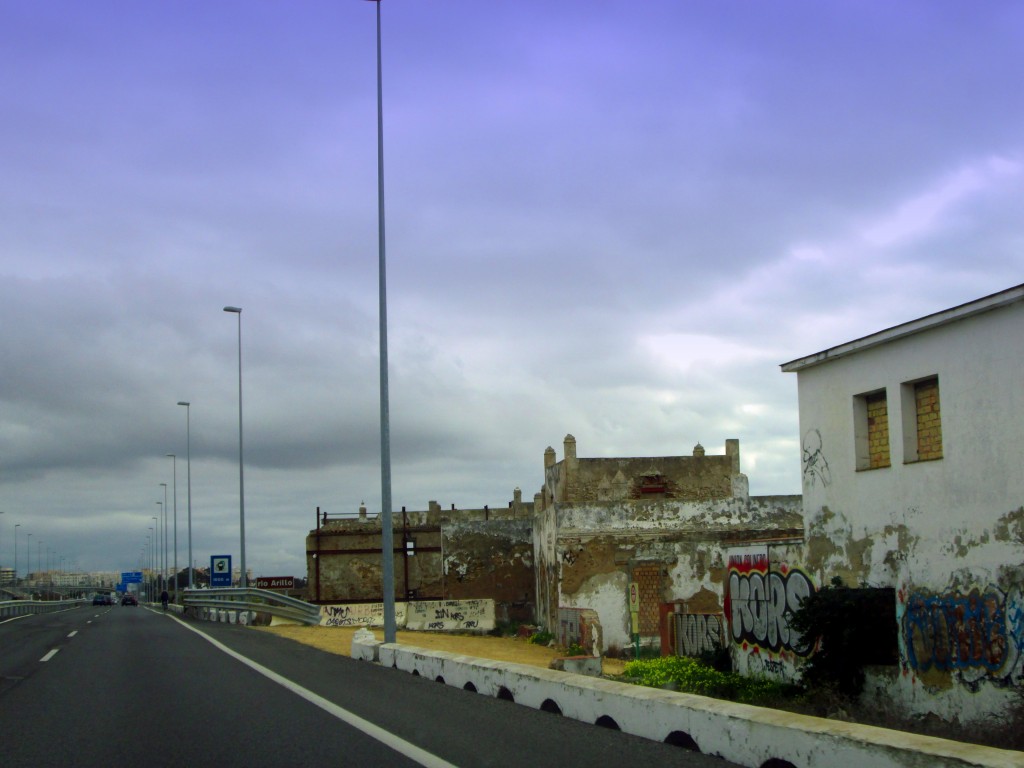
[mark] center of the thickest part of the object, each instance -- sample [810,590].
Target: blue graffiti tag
[948,632]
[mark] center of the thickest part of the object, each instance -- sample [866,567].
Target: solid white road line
[50,655]
[387,738]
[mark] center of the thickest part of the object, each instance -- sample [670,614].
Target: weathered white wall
[947,534]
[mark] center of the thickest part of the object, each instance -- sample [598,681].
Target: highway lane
[137,687]
[133,688]
[24,640]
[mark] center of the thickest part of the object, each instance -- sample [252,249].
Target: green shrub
[575,649]
[690,676]
[541,638]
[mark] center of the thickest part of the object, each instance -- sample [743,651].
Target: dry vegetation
[339,640]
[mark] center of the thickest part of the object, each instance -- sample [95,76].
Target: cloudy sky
[614,219]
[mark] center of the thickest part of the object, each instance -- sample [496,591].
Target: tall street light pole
[174,464]
[165,533]
[241,465]
[154,556]
[188,460]
[158,518]
[387,535]
[16,527]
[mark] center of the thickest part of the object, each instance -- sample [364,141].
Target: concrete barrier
[422,615]
[749,736]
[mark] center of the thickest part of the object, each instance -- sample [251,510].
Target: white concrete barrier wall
[746,735]
[426,615]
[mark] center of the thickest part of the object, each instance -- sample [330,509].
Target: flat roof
[928,322]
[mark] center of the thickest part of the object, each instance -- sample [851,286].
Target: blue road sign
[131,577]
[220,571]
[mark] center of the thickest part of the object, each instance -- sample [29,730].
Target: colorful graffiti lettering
[698,632]
[956,632]
[760,604]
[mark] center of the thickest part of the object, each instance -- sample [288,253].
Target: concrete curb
[749,736]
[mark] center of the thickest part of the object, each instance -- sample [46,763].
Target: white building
[912,442]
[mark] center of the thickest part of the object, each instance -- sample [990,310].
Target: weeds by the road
[685,674]
[688,675]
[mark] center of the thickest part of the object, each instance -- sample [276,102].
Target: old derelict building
[912,440]
[439,554]
[665,523]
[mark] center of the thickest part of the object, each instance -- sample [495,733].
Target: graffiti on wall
[761,601]
[450,615]
[975,636]
[358,615]
[697,633]
[814,462]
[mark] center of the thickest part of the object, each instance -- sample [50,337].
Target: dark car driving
[129,599]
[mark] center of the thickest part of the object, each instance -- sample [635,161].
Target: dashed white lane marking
[387,738]
[50,655]
[73,633]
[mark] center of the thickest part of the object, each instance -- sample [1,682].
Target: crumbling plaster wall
[698,477]
[945,534]
[489,559]
[587,551]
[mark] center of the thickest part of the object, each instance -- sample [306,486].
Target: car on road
[129,599]
[100,599]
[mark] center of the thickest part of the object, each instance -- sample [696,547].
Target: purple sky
[614,219]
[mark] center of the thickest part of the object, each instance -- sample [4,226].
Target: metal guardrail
[10,608]
[254,600]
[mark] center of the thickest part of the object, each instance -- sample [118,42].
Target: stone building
[912,440]
[664,523]
[439,554]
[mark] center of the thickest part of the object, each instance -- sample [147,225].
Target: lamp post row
[188,460]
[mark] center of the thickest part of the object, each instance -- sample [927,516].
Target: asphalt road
[124,686]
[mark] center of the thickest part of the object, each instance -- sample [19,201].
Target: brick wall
[929,422]
[648,577]
[878,430]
